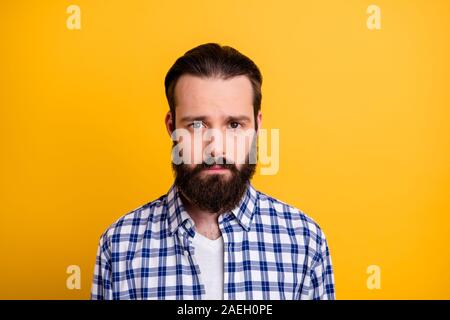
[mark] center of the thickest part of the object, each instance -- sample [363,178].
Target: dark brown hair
[214,60]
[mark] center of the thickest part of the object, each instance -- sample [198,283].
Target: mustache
[210,162]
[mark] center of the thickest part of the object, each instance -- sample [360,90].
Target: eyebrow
[238,118]
[204,118]
[193,118]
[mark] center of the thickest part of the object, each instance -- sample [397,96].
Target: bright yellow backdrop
[363,118]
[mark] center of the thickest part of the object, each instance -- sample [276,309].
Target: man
[213,236]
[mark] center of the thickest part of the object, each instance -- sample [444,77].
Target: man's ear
[259,120]
[170,125]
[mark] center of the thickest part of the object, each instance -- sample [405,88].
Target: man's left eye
[235,125]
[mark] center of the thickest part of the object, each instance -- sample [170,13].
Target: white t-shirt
[209,256]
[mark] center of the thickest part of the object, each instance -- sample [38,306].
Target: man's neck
[206,223]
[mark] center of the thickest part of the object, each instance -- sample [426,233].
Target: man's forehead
[226,116]
[198,92]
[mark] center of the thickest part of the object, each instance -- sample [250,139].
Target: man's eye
[196,124]
[235,125]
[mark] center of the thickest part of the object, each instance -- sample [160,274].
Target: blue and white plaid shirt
[271,251]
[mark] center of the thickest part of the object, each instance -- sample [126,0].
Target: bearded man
[213,235]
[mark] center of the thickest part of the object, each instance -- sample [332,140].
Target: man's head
[214,92]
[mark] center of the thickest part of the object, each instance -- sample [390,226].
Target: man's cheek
[191,151]
[238,148]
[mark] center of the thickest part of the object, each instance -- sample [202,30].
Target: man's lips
[216,167]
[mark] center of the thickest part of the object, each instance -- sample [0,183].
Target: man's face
[218,117]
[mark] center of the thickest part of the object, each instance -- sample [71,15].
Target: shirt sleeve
[322,277]
[101,283]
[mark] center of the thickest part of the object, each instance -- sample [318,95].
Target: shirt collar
[243,212]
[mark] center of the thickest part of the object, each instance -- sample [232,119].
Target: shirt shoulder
[293,219]
[133,224]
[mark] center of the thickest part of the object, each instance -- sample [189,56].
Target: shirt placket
[185,234]
[230,239]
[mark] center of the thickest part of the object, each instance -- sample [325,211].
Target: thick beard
[214,193]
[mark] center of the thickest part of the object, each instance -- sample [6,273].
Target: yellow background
[363,118]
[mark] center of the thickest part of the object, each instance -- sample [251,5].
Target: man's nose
[215,145]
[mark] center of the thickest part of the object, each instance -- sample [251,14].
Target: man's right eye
[196,124]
